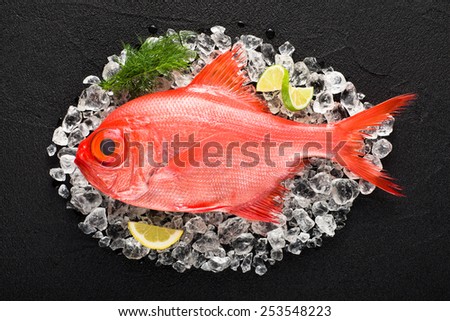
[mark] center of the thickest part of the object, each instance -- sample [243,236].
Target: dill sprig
[144,64]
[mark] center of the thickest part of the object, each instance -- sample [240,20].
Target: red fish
[213,146]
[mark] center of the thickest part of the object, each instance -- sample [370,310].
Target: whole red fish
[213,146]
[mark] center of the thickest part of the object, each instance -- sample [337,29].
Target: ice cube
[51,150]
[85,199]
[374,160]
[274,104]
[321,183]
[344,190]
[134,250]
[208,242]
[366,187]
[386,127]
[381,148]
[216,264]
[188,39]
[261,246]
[67,163]
[319,208]
[63,191]
[179,266]
[268,53]
[182,252]
[326,224]
[117,243]
[317,81]
[276,238]
[110,69]
[350,174]
[205,44]
[97,219]
[58,174]
[86,228]
[104,241]
[67,151]
[312,64]
[292,234]
[196,225]
[91,80]
[218,29]
[323,103]
[260,267]
[75,138]
[93,98]
[296,247]
[276,254]
[92,122]
[262,228]
[300,74]
[286,49]
[303,220]
[214,218]
[77,179]
[246,264]
[235,262]
[84,129]
[335,82]
[251,42]
[181,79]
[222,41]
[286,61]
[255,64]
[71,120]
[60,137]
[243,244]
[349,99]
[303,237]
[231,228]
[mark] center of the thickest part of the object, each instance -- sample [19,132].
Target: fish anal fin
[266,208]
[224,75]
[269,206]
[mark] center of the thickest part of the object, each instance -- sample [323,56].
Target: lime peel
[276,77]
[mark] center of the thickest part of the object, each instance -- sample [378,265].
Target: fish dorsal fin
[224,75]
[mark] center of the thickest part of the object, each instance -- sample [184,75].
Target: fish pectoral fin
[266,208]
[138,186]
[225,75]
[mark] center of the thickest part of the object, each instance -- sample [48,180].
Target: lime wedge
[295,98]
[271,79]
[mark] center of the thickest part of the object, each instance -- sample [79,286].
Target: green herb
[144,64]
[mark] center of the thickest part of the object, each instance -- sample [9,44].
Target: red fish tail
[350,131]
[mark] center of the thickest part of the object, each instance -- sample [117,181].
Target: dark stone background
[392,248]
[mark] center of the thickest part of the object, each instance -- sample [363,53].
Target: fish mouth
[89,173]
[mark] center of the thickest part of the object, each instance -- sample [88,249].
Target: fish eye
[107,147]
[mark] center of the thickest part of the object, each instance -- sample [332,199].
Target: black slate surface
[392,248]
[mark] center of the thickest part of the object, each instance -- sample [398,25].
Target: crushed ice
[319,198]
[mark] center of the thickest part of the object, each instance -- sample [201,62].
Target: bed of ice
[316,207]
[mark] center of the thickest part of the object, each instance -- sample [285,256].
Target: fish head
[101,158]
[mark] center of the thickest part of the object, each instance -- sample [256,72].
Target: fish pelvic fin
[351,131]
[224,75]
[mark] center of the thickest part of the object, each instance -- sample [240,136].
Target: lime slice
[295,98]
[154,237]
[271,79]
